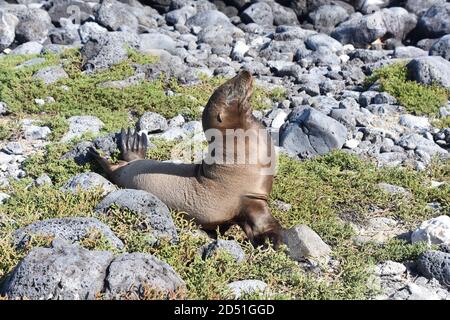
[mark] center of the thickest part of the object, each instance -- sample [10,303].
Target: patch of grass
[395,250]
[415,97]
[82,94]
[49,161]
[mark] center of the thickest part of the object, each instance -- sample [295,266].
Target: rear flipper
[132,146]
[107,166]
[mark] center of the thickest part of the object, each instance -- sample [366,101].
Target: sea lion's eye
[219,118]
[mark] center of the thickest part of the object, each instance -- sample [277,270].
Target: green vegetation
[326,193]
[415,97]
[83,94]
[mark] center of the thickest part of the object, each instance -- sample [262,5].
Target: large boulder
[326,17]
[8,23]
[156,40]
[429,70]
[309,133]
[436,21]
[303,242]
[71,229]
[435,264]
[433,231]
[132,274]
[419,7]
[208,18]
[259,13]
[361,30]
[116,16]
[78,10]
[442,48]
[106,49]
[150,208]
[34,25]
[51,74]
[88,181]
[79,125]
[63,272]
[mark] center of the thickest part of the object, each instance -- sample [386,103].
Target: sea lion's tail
[132,145]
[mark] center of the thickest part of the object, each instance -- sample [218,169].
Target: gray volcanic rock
[63,272]
[435,264]
[156,214]
[310,132]
[71,229]
[435,22]
[132,273]
[8,23]
[442,48]
[430,69]
[88,181]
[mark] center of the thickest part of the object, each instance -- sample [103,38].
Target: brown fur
[214,195]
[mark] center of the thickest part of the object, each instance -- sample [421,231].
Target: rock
[435,22]
[441,48]
[230,246]
[351,144]
[14,148]
[131,274]
[279,119]
[430,69]
[239,50]
[73,229]
[419,7]
[219,36]
[246,287]
[361,30]
[409,52]
[413,291]
[77,10]
[208,18]
[88,181]
[303,242]
[104,50]
[3,108]
[416,142]
[180,16]
[378,230]
[63,272]
[326,17]
[31,62]
[316,41]
[51,74]
[152,41]
[433,231]
[282,15]
[435,264]
[33,132]
[310,132]
[43,180]
[414,122]
[152,122]
[115,16]
[259,13]
[79,125]
[155,213]
[90,30]
[4,197]
[8,23]
[34,25]
[389,268]
[28,48]
[393,189]
[67,34]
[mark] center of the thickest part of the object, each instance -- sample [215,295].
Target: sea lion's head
[229,106]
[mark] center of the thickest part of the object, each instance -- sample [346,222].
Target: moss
[415,97]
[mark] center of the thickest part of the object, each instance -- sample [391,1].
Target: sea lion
[213,193]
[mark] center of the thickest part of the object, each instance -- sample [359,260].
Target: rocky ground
[355,94]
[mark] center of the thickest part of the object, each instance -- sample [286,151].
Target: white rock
[303,242]
[39,102]
[433,231]
[240,49]
[279,119]
[33,132]
[351,143]
[242,287]
[390,268]
[3,197]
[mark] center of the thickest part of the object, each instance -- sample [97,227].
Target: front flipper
[132,145]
